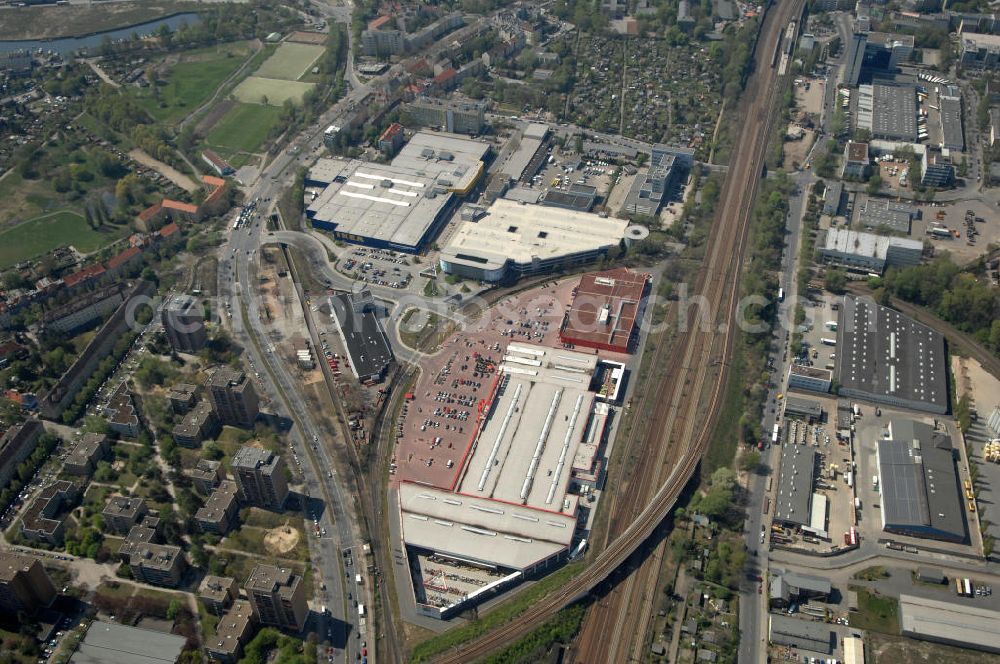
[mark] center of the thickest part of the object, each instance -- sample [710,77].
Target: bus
[775,433]
[781,295]
[767,504]
[361,609]
[968,587]
[959,588]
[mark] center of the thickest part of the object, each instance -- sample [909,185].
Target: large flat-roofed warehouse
[509,509]
[528,157]
[793,501]
[455,162]
[919,483]
[605,310]
[888,111]
[949,622]
[888,214]
[401,205]
[513,240]
[378,205]
[950,108]
[367,346]
[868,252]
[802,634]
[886,357]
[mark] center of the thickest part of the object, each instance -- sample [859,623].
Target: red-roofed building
[391,139]
[606,306]
[176,210]
[217,201]
[151,218]
[169,231]
[220,165]
[83,276]
[379,22]
[446,79]
[418,66]
[124,260]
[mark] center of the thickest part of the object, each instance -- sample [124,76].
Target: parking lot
[378,266]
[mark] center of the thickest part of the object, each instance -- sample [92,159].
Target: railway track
[698,355]
[615,629]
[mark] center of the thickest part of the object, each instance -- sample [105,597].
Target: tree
[174,608]
[874,184]
[750,461]
[836,281]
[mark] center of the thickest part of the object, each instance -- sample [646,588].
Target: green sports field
[254,90]
[290,62]
[192,81]
[43,234]
[244,127]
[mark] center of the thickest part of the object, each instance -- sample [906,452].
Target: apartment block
[122,513]
[43,520]
[217,593]
[260,476]
[200,423]
[182,397]
[184,322]
[88,451]
[16,445]
[158,564]
[206,475]
[278,597]
[24,584]
[233,397]
[221,510]
[231,634]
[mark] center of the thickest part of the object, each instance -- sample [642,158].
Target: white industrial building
[513,240]
[867,252]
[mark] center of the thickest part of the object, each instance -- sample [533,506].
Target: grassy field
[244,127]
[876,613]
[189,83]
[290,62]
[43,234]
[255,89]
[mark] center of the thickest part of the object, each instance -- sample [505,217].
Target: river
[69,45]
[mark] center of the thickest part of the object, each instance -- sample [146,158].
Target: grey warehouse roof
[951,123]
[892,215]
[805,634]
[383,202]
[112,643]
[949,622]
[920,490]
[793,502]
[887,357]
[894,110]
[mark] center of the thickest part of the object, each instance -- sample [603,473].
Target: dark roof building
[24,584]
[16,445]
[793,501]
[793,588]
[578,197]
[886,357]
[802,634]
[43,520]
[363,335]
[114,643]
[921,495]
